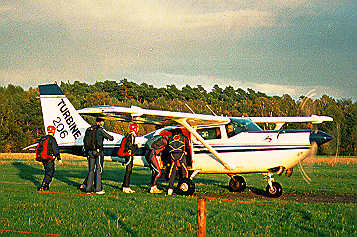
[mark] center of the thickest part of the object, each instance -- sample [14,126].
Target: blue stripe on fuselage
[249,149]
[112,150]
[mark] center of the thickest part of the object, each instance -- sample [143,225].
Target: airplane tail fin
[58,111]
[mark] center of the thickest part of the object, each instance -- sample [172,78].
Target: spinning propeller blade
[310,155]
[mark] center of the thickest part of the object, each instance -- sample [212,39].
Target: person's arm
[106,135]
[55,149]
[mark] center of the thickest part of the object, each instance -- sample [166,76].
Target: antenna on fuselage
[190,108]
[211,110]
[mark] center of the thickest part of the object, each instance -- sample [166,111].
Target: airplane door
[189,153]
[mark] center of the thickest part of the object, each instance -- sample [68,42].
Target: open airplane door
[190,152]
[184,123]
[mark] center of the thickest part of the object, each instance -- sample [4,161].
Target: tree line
[21,121]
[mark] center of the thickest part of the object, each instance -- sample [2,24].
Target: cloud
[152,16]
[232,20]
[32,78]
[162,79]
[268,43]
[6,9]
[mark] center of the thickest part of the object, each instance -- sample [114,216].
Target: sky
[273,46]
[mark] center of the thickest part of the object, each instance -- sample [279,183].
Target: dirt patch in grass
[330,160]
[259,195]
[315,197]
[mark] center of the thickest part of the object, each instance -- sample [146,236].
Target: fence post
[201,217]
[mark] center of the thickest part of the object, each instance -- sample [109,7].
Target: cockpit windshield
[236,126]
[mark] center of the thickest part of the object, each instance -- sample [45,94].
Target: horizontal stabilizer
[30,147]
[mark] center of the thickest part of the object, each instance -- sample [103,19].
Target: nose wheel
[273,189]
[237,184]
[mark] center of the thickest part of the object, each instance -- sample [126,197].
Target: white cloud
[152,16]
[144,39]
[5,9]
[179,80]
[32,78]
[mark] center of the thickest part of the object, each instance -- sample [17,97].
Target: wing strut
[184,123]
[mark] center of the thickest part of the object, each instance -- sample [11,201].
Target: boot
[46,187]
[43,187]
[82,187]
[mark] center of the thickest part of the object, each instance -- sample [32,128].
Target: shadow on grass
[259,192]
[141,177]
[31,173]
[28,172]
[256,191]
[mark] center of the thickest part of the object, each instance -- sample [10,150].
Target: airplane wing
[280,121]
[158,117]
[139,115]
[313,119]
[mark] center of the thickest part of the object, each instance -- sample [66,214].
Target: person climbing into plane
[155,146]
[93,146]
[127,150]
[46,152]
[178,145]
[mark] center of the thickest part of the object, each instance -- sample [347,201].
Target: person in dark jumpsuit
[49,164]
[129,148]
[96,160]
[155,147]
[178,144]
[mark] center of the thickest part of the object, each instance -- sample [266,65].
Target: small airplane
[218,144]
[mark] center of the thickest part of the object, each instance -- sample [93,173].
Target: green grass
[144,214]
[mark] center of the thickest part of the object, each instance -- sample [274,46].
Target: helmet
[51,129]
[134,127]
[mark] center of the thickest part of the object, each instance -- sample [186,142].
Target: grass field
[326,207]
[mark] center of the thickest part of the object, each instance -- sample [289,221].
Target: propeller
[338,140]
[310,155]
[308,108]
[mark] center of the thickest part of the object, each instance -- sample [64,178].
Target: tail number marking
[60,127]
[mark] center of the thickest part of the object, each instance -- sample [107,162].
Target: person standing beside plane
[95,154]
[155,146]
[127,150]
[46,151]
[178,144]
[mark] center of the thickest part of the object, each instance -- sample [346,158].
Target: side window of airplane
[234,127]
[210,133]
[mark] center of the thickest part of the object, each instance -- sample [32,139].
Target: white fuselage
[246,152]
[218,144]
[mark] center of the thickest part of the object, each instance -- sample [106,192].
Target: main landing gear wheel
[237,184]
[186,187]
[275,190]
